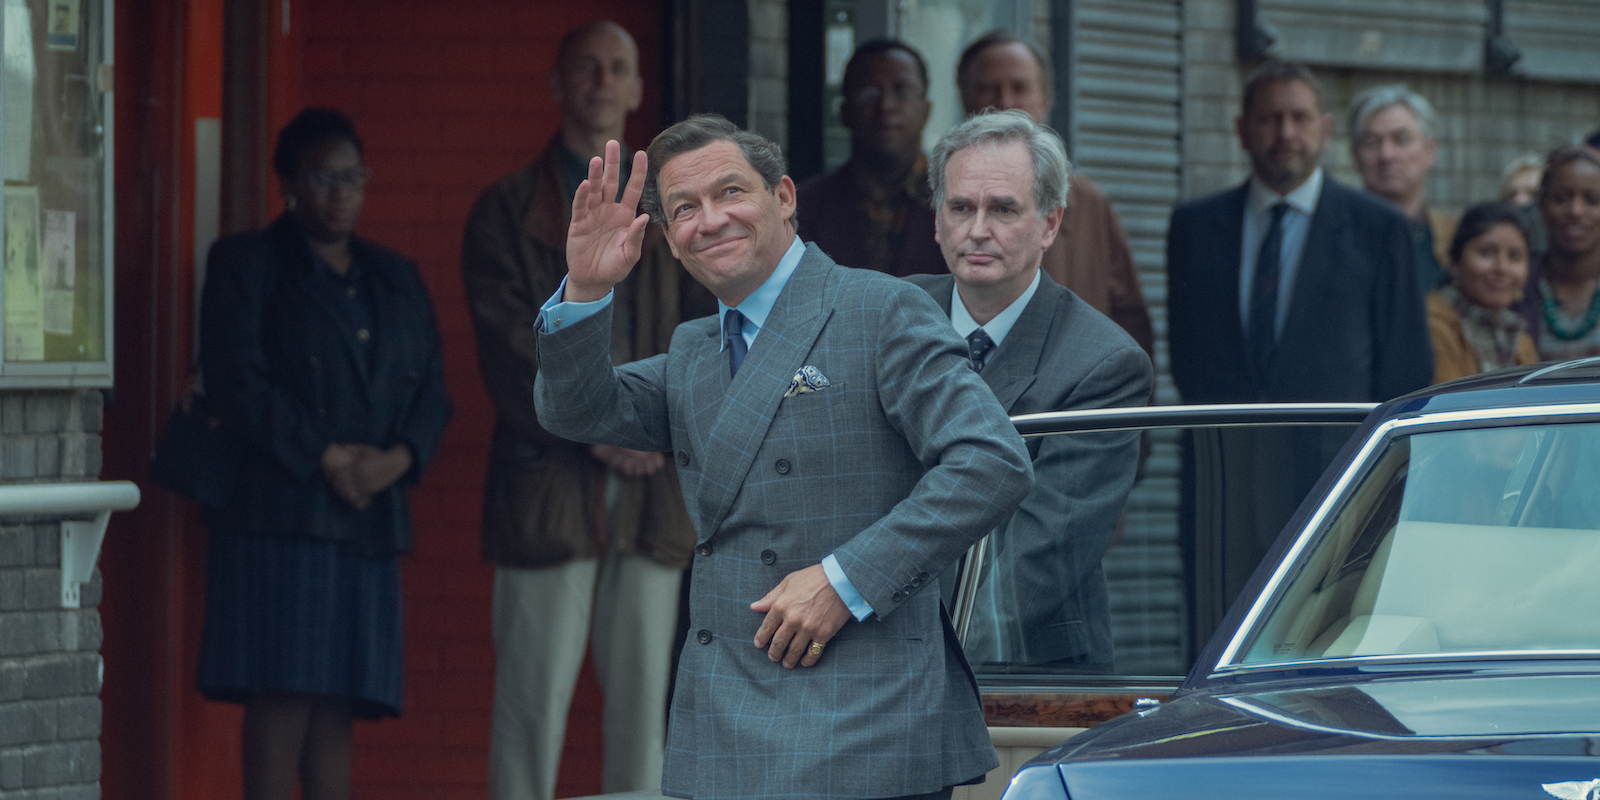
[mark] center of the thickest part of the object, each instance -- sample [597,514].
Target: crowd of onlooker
[1288,287]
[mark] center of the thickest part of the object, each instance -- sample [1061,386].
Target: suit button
[897,596]
[704,636]
[782,466]
[768,557]
[917,581]
[704,549]
[907,588]
[683,458]
[922,576]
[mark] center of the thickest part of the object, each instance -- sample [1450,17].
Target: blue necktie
[733,328]
[978,346]
[1264,292]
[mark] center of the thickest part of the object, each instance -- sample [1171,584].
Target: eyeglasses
[868,95]
[354,179]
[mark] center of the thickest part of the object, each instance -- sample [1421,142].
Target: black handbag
[197,456]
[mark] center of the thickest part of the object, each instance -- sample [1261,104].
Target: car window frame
[1377,443]
[1103,696]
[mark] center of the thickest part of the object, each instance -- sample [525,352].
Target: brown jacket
[1453,357]
[1090,256]
[544,497]
[1442,226]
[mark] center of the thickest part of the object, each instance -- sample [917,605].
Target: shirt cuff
[556,313]
[847,592]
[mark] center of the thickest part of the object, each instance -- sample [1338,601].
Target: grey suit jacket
[895,468]
[1050,603]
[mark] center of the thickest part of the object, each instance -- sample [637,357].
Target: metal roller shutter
[1432,35]
[1125,95]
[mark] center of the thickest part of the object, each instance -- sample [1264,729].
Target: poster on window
[60,270]
[16,92]
[23,283]
[63,31]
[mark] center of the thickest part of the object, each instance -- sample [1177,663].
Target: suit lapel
[1016,363]
[294,250]
[751,400]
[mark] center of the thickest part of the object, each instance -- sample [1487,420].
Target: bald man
[589,542]
[1090,256]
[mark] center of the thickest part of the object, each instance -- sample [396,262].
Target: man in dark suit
[1292,287]
[836,452]
[999,181]
[1288,288]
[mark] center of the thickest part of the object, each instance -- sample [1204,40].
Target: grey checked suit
[1060,355]
[895,468]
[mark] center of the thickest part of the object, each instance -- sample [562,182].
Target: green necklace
[1586,327]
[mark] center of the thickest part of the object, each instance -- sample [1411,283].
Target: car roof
[1531,385]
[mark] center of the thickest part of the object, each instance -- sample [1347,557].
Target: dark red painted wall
[448,97]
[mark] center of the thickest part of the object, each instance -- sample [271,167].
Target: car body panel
[1496,723]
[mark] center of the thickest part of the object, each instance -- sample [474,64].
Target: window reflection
[1467,540]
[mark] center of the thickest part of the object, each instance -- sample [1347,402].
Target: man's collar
[998,327]
[1302,199]
[758,306]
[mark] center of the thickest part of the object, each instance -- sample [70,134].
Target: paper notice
[23,283]
[60,269]
[63,31]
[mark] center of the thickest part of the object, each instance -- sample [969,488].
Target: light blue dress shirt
[998,327]
[1296,223]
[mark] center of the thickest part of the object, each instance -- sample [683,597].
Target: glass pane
[1139,590]
[53,153]
[1468,540]
[940,30]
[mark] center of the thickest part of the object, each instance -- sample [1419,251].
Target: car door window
[1454,541]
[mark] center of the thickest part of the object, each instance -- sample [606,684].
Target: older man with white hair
[1392,140]
[999,184]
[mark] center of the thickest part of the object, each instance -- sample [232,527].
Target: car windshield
[1478,540]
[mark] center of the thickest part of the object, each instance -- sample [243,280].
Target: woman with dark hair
[320,353]
[1563,303]
[1473,326]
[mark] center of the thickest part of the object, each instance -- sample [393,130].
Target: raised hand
[605,237]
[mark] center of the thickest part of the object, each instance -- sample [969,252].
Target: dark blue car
[1427,624]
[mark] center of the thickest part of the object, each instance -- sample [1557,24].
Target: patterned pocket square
[808,379]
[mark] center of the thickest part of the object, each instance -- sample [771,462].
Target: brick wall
[769,70]
[448,98]
[50,667]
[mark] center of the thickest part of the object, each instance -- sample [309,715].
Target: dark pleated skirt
[298,616]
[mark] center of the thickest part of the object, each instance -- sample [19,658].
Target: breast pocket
[824,400]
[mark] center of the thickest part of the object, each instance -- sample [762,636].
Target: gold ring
[816,648]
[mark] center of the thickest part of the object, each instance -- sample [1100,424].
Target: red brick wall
[449,97]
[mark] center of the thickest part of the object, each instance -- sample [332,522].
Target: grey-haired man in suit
[999,184]
[836,452]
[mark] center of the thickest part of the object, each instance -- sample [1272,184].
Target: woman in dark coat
[320,352]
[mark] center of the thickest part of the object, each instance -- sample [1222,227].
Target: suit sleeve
[1403,361]
[504,299]
[978,468]
[422,427]
[1052,545]
[266,416]
[1182,344]
[1128,308]
[579,396]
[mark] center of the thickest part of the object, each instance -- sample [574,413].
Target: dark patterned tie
[979,344]
[733,328]
[1264,292]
